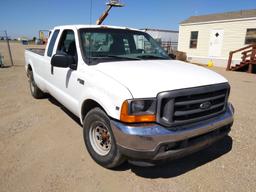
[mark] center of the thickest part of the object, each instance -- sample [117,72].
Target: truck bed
[39,51]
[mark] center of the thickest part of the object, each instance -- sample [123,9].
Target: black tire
[95,118]
[35,91]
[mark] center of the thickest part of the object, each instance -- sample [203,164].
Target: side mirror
[62,60]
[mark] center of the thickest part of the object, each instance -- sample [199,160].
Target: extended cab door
[64,81]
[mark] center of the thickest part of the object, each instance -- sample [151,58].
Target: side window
[67,44]
[250,37]
[126,46]
[143,45]
[52,43]
[193,39]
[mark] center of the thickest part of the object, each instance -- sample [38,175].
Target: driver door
[64,80]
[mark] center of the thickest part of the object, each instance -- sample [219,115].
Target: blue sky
[26,17]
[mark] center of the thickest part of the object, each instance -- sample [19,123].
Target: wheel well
[29,69]
[89,105]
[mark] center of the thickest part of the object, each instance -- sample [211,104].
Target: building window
[193,39]
[250,37]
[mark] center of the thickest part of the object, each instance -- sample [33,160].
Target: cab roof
[80,26]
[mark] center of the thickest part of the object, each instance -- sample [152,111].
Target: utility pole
[9,48]
[112,3]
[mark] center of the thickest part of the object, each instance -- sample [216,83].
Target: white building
[212,37]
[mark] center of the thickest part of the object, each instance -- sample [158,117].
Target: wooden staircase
[248,62]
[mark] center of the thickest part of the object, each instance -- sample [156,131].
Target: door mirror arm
[73,66]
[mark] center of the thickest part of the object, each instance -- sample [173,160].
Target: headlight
[138,110]
[142,107]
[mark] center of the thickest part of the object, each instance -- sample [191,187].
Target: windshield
[103,45]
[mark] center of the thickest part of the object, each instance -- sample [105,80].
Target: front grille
[191,105]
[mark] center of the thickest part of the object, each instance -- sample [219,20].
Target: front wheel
[99,139]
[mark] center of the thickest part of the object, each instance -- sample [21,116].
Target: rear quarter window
[52,42]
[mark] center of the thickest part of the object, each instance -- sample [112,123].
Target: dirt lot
[42,148]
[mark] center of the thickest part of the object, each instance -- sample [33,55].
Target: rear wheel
[35,91]
[99,139]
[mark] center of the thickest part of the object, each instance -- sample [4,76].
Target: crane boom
[105,13]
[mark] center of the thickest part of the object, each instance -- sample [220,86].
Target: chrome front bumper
[155,142]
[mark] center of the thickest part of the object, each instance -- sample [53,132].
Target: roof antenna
[91,13]
[110,4]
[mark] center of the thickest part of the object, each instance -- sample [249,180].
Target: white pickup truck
[134,102]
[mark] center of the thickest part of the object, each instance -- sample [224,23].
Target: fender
[111,103]
[30,59]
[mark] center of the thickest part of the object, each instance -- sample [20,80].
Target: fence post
[9,49]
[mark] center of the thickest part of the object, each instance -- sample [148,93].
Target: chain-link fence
[12,50]
[6,58]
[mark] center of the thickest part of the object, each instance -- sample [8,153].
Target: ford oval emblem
[205,105]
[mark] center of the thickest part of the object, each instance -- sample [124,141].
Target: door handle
[81,81]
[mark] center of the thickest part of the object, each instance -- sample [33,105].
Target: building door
[216,39]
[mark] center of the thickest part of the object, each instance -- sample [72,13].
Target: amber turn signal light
[126,117]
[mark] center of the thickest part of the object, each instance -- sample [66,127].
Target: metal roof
[161,30]
[221,16]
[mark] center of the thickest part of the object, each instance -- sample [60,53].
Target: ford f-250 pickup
[134,102]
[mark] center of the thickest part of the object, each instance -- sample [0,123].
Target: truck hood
[148,78]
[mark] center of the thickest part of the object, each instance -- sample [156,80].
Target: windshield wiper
[151,57]
[115,56]
[122,57]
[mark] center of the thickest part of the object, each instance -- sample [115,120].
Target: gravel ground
[42,148]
